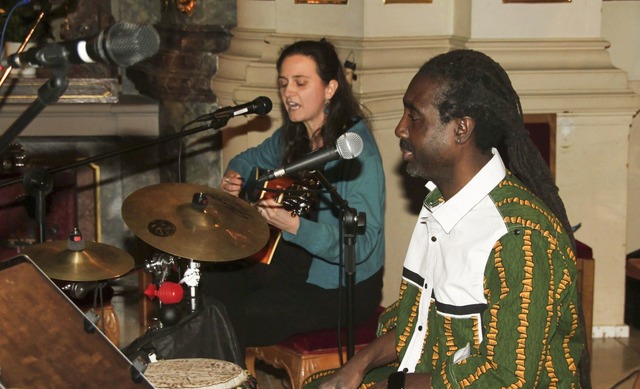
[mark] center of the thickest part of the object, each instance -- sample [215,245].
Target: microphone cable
[6,23]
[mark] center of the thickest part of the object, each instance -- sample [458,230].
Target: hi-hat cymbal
[195,222]
[96,262]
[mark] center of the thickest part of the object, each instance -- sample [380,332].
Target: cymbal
[96,262]
[195,222]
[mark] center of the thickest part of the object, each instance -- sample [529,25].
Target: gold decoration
[183,6]
[536,1]
[406,1]
[321,1]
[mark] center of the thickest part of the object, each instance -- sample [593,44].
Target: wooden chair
[586,275]
[307,353]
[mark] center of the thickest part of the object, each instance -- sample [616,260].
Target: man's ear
[464,129]
[330,89]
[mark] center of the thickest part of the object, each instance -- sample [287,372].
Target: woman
[299,290]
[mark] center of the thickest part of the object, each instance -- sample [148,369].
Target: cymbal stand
[191,278]
[159,266]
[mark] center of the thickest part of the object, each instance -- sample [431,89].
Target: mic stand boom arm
[48,93]
[353,223]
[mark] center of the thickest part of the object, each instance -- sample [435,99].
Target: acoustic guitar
[295,195]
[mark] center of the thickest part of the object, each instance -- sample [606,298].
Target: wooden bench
[310,352]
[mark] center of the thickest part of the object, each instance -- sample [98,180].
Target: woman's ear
[330,89]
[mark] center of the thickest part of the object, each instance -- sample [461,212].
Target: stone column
[192,35]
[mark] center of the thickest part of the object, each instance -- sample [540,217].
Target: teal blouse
[360,181]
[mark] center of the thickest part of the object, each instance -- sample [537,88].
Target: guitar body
[294,196]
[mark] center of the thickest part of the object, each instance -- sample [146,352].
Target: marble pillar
[192,35]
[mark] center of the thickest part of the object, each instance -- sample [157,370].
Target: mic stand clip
[353,223]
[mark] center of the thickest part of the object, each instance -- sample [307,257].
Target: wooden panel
[45,342]
[586,273]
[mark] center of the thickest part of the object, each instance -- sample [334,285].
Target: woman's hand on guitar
[231,183]
[277,216]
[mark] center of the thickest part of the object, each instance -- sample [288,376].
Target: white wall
[620,27]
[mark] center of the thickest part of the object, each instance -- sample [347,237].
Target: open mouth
[292,106]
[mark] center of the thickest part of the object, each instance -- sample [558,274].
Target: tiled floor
[613,359]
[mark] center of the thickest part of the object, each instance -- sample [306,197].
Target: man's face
[426,143]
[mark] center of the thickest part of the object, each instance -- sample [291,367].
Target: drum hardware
[80,290]
[167,293]
[159,266]
[194,222]
[170,292]
[191,279]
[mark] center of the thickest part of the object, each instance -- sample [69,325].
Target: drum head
[198,373]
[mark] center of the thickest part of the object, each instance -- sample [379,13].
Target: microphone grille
[349,145]
[128,43]
[263,105]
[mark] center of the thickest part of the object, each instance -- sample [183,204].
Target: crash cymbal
[195,222]
[96,262]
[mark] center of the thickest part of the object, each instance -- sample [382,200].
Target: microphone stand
[353,223]
[38,183]
[48,93]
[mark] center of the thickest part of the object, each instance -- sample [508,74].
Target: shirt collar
[449,213]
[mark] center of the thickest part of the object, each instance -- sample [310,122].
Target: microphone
[122,43]
[348,146]
[80,290]
[260,105]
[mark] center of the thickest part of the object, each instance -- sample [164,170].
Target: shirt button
[419,328]
[406,369]
[433,238]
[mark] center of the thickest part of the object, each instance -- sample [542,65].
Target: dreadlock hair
[341,109]
[472,84]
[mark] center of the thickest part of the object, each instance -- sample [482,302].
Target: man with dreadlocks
[488,296]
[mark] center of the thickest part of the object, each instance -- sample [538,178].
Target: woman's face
[303,92]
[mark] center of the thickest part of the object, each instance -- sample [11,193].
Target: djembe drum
[201,373]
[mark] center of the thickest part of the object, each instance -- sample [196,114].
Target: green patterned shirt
[489,291]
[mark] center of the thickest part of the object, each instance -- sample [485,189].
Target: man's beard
[414,171]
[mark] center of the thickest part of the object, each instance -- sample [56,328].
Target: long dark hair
[342,108]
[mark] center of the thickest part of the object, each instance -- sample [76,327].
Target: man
[488,296]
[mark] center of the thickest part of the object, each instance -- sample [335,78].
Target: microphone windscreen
[349,145]
[263,105]
[128,43]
